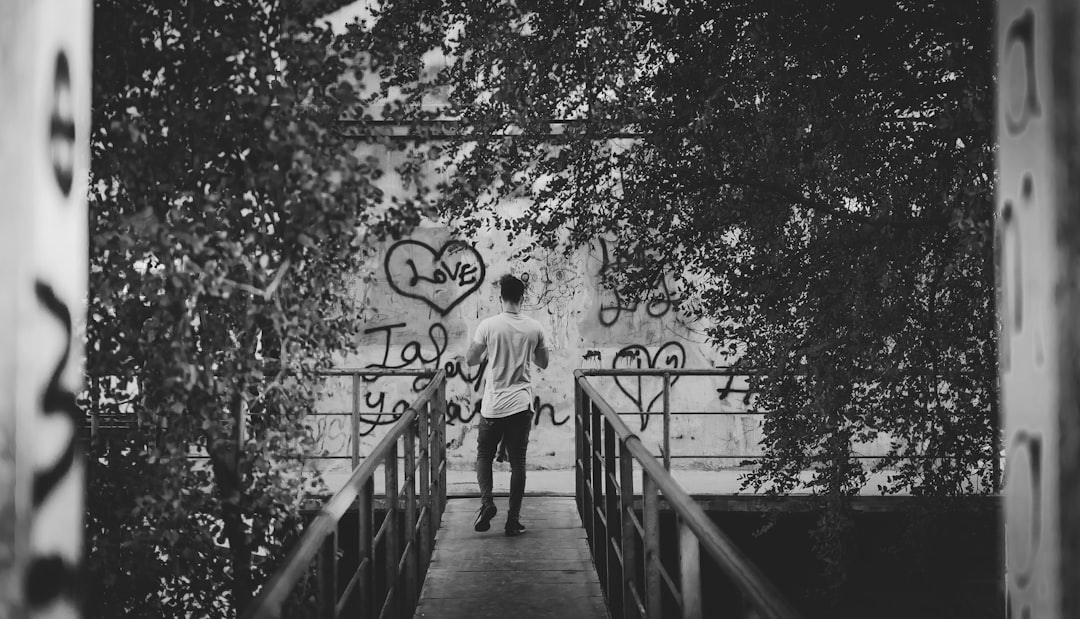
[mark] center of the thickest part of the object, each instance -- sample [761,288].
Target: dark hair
[511,288]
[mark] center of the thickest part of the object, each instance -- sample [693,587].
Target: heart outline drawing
[467,275]
[671,354]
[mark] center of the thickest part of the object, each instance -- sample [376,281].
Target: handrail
[420,372]
[406,554]
[606,505]
[724,371]
[358,376]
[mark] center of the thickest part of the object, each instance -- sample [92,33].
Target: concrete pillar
[44,159]
[1039,241]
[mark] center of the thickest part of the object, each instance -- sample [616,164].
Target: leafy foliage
[818,176]
[226,213]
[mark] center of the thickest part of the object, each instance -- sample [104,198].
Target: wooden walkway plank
[545,573]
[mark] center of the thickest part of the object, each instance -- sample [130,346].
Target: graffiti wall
[423,297]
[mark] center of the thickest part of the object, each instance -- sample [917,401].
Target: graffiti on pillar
[62,127]
[1020,40]
[441,278]
[58,286]
[1029,272]
[646,391]
[49,577]
[1025,459]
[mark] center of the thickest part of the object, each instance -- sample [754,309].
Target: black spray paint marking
[56,399]
[1020,37]
[48,577]
[1028,446]
[670,355]
[725,391]
[377,415]
[442,279]
[412,354]
[62,127]
[542,408]
[455,412]
[658,305]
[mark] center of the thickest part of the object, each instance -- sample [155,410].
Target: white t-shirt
[510,340]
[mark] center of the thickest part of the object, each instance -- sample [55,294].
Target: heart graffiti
[442,279]
[644,391]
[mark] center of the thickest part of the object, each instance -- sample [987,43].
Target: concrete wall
[424,296]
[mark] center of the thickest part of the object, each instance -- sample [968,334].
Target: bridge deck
[545,573]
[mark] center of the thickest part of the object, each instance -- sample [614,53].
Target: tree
[226,214]
[818,177]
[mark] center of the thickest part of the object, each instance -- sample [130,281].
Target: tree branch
[816,205]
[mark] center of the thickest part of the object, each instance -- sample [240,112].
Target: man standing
[511,341]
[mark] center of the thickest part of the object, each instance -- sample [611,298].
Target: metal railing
[668,376]
[627,548]
[403,541]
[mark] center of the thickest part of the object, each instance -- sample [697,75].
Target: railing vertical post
[425,486]
[599,531]
[689,572]
[586,505]
[327,577]
[390,539]
[667,421]
[408,598]
[631,578]
[613,534]
[578,452]
[354,436]
[438,460]
[654,602]
[94,421]
[365,524]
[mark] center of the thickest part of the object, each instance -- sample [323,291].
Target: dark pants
[513,431]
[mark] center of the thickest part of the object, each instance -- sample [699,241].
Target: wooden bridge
[545,573]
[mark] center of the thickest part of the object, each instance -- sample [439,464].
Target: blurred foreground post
[44,160]
[1039,306]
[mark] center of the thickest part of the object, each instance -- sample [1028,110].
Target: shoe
[484,516]
[514,528]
